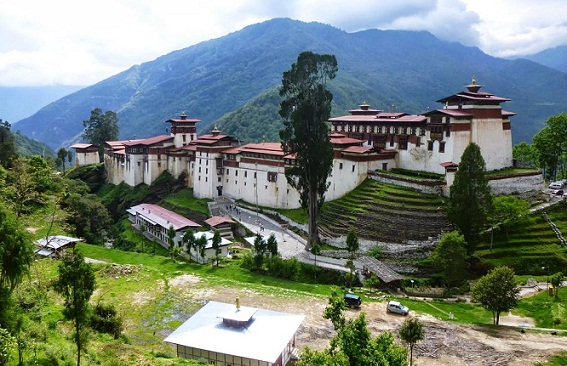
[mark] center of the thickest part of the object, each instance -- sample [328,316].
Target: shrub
[375,252]
[283,268]
[247,261]
[105,319]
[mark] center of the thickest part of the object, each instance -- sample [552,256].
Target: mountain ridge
[403,70]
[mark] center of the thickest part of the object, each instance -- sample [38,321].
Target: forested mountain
[555,57]
[239,74]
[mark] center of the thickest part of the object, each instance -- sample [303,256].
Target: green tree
[215,244]
[525,154]
[352,246]
[27,182]
[99,128]
[272,245]
[305,110]
[557,282]
[16,251]
[7,145]
[470,199]
[190,242]
[62,155]
[496,291]
[411,332]
[507,209]
[87,215]
[202,245]
[171,244]
[450,258]
[76,283]
[353,344]
[260,248]
[551,145]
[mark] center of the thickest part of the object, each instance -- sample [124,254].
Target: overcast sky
[80,42]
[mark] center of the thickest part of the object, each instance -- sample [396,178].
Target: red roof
[449,164]
[217,220]
[162,216]
[358,149]
[450,112]
[149,141]
[186,120]
[81,146]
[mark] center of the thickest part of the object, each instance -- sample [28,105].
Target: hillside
[235,73]
[555,58]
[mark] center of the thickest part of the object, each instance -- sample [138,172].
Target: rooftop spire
[473,87]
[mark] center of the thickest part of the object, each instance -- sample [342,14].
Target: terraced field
[529,244]
[386,213]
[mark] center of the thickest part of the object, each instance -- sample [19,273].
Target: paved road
[289,243]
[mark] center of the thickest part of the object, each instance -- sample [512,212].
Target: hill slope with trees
[404,70]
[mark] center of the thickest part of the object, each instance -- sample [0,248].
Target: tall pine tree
[306,109]
[470,200]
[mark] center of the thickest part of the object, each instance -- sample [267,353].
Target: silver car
[397,308]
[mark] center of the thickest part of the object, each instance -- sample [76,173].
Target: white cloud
[82,42]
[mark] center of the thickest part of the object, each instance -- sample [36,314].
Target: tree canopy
[450,258]
[101,127]
[470,199]
[305,109]
[411,332]
[7,145]
[76,283]
[496,292]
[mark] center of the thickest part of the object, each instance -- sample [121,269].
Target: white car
[397,308]
[556,185]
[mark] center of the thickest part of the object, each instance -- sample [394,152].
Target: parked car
[397,308]
[558,192]
[556,185]
[352,300]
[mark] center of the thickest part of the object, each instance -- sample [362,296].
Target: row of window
[382,129]
[217,358]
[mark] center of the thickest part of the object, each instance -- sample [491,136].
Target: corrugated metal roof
[162,216]
[264,337]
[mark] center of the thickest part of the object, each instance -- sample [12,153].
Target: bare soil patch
[445,343]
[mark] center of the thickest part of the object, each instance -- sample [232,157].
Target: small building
[209,250]
[85,154]
[222,224]
[156,221]
[53,246]
[228,334]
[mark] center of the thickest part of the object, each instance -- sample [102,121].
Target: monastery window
[199,169]
[436,119]
[159,163]
[219,179]
[245,174]
[391,140]
[441,146]
[413,131]
[254,175]
[206,162]
[265,187]
[380,142]
[206,179]
[244,184]
[184,138]
[448,132]
[236,182]
[396,131]
[138,163]
[236,173]
[353,166]
[340,165]
[199,161]
[422,132]
[272,176]
[403,143]
[418,141]
[199,178]
[405,130]
[207,171]
[227,171]
[430,145]
[447,119]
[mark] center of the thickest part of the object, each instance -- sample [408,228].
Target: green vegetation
[548,311]
[528,244]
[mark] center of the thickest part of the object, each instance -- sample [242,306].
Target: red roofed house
[157,221]
[222,224]
[85,154]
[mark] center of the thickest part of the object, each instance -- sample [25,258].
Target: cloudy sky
[80,42]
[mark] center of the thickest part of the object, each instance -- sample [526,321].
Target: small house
[53,246]
[222,224]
